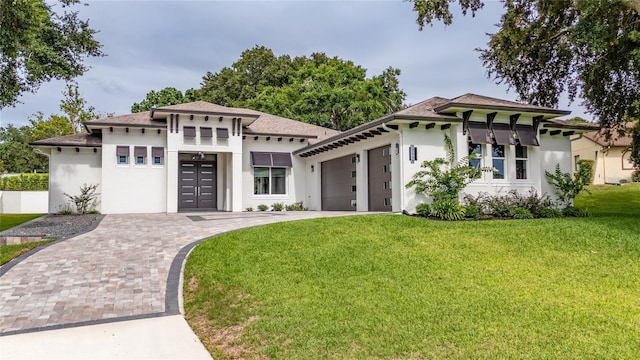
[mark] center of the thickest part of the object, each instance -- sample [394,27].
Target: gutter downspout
[401,188]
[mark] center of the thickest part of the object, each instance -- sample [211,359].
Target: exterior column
[236,183]
[171,163]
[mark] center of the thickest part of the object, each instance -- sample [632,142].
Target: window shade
[140,151]
[189,131]
[157,151]
[276,159]
[479,133]
[206,132]
[503,134]
[222,133]
[526,135]
[122,151]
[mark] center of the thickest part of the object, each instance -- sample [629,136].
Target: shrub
[550,212]
[522,213]
[635,177]
[263,207]
[296,207]
[87,200]
[568,187]
[65,210]
[471,211]
[249,209]
[277,206]
[25,182]
[572,211]
[423,209]
[447,209]
[503,205]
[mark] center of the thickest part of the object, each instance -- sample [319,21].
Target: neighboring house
[202,156]
[611,156]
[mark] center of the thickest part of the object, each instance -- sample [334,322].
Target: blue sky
[154,44]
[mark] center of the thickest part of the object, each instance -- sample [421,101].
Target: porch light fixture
[198,156]
[312,168]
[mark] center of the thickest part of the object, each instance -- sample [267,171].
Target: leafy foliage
[76,108]
[38,43]
[589,49]
[87,200]
[277,206]
[521,213]
[263,207]
[15,153]
[505,205]
[423,209]
[635,145]
[54,126]
[298,206]
[447,209]
[568,187]
[25,182]
[318,89]
[165,97]
[443,179]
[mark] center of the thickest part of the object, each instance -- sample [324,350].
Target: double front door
[197,185]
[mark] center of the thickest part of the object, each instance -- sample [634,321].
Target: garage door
[339,184]
[379,173]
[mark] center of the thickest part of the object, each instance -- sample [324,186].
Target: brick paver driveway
[124,269]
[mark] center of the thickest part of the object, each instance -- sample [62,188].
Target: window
[269,181]
[140,153]
[521,162]
[353,188]
[353,174]
[627,163]
[158,155]
[206,133]
[122,153]
[576,160]
[477,150]
[189,131]
[498,153]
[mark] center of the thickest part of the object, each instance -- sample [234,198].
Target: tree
[76,108]
[318,89]
[16,154]
[165,97]
[568,187]
[54,126]
[39,42]
[590,49]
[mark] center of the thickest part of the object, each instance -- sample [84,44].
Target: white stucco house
[202,156]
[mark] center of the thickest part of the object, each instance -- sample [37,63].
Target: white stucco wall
[68,171]
[133,188]
[24,202]
[554,150]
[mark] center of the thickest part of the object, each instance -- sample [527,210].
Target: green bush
[504,205]
[522,213]
[471,211]
[572,211]
[550,212]
[635,177]
[568,187]
[263,207]
[447,209]
[296,207]
[25,182]
[423,209]
[277,206]
[249,209]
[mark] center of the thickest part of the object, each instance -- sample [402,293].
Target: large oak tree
[589,49]
[39,41]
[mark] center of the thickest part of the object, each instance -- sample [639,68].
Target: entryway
[197,183]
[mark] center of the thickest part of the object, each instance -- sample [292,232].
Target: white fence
[24,202]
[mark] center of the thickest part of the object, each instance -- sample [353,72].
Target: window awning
[140,151]
[527,135]
[206,132]
[479,133]
[275,159]
[122,151]
[222,133]
[189,131]
[157,151]
[503,134]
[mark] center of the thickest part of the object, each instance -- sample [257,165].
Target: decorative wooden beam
[244,137]
[191,117]
[568,133]
[77,149]
[301,140]
[445,126]
[490,118]
[171,123]
[255,138]
[159,131]
[465,121]
[354,138]
[268,138]
[206,118]
[361,136]
[59,149]
[126,130]
[111,128]
[177,123]
[554,132]
[280,138]
[95,150]
[290,139]
[375,132]
[368,134]
[414,125]
[382,130]
[513,119]
[394,127]
[220,119]
[536,122]
[143,130]
[543,131]
[430,126]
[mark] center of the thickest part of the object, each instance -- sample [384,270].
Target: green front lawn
[392,286]
[8,221]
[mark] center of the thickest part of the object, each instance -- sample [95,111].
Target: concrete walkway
[115,289]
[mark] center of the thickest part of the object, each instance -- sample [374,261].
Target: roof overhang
[246,118]
[462,107]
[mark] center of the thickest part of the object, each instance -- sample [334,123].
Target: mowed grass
[8,221]
[392,286]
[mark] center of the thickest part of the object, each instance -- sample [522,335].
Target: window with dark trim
[158,155]
[522,158]
[140,154]
[498,153]
[475,149]
[222,133]
[271,159]
[122,154]
[206,132]
[269,181]
[189,131]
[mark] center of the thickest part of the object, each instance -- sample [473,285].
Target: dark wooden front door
[339,184]
[197,185]
[380,179]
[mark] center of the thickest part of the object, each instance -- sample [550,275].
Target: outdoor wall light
[312,168]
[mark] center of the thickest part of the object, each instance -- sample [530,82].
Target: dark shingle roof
[486,102]
[618,136]
[80,140]
[141,119]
